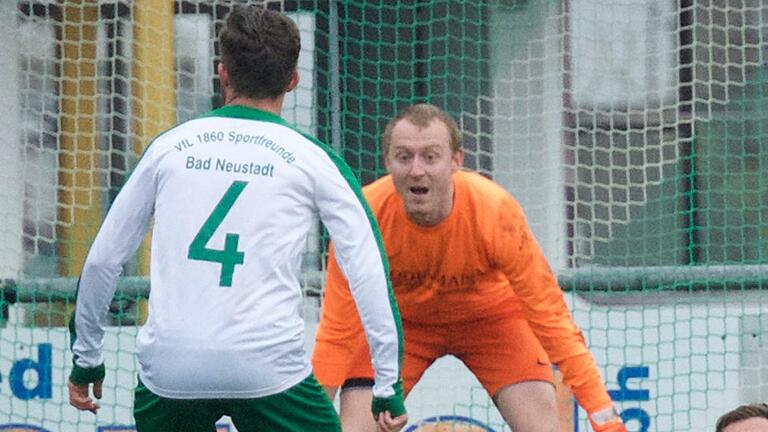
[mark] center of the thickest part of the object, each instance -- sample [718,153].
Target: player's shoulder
[498,211]
[185,134]
[379,191]
[484,190]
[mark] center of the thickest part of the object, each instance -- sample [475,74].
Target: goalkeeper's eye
[402,157]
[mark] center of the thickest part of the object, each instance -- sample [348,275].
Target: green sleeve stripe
[347,173]
[71,324]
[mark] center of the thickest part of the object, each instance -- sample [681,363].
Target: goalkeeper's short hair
[744,412]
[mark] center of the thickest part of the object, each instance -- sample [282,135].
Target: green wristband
[80,375]
[394,404]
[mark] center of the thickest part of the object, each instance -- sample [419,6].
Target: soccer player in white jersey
[234,194]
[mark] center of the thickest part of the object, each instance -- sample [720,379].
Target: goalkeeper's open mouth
[419,190]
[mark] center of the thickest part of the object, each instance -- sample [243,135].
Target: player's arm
[339,333]
[360,254]
[117,240]
[524,264]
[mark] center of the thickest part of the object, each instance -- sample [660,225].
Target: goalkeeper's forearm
[581,374]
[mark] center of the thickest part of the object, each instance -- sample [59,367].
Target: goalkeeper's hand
[79,386]
[606,420]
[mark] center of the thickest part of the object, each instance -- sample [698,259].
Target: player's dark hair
[421,115]
[743,412]
[260,49]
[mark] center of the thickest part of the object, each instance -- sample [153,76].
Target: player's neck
[275,106]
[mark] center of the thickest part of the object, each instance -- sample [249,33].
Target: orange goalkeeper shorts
[498,350]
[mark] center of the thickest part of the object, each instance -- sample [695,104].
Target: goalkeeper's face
[422,165]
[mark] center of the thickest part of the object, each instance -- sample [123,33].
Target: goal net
[633,132]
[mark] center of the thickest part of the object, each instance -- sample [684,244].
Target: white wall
[11,180]
[527,79]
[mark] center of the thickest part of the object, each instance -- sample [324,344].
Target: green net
[633,132]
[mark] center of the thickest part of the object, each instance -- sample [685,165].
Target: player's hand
[386,423]
[80,398]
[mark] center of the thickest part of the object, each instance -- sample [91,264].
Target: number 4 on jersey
[229,257]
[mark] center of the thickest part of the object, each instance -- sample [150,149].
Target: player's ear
[294,81]
[223,74]
[385,157]
[458,159]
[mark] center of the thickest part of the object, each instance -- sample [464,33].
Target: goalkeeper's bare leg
[529,406]
[355,411]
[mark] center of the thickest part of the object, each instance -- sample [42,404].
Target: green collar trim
[243,112]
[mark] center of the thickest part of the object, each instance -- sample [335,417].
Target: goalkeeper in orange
[470,281]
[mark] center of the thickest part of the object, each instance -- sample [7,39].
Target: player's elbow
[102,267]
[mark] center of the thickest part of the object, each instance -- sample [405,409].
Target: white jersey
[234,195]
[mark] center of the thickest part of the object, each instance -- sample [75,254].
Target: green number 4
[229,257]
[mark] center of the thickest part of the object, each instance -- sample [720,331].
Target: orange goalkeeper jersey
[481,261]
